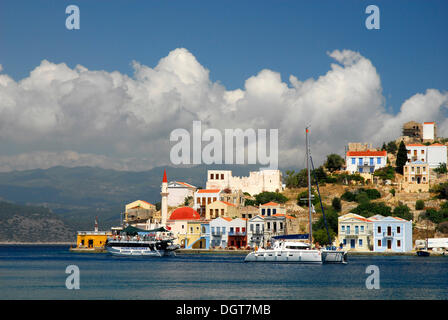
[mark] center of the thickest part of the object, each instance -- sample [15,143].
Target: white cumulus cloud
[74,116]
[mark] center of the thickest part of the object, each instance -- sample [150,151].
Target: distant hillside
[32,224]
[77,195]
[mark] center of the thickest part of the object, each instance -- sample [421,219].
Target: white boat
[299,252]
[286,251]
[151,243]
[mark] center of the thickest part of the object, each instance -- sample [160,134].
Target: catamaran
[286,250]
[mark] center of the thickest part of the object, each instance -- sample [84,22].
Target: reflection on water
[38,272]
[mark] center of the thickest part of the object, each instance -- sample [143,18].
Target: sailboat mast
[309,186]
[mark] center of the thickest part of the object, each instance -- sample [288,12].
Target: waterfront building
[434,154]
[178,191]
[198,234]
[255,183]
[391,234]
[355,232]
[91,240]
[178,223]
[221,209]
[255,232]
[365,161]
[219,229]
[271,208]
[203,197]
[237,236]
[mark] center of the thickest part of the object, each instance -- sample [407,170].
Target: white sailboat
[298,251]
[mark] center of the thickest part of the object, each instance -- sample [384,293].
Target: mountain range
[68,199]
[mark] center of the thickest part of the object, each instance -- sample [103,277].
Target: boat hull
[296,256]
[147,252]
[334,256]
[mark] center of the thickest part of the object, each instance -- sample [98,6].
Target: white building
[255,183]
[434,154]
[365,161]
[219,230]
[203,197]
[429,130]
[178,191]
[255,232]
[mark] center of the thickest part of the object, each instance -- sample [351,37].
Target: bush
[265,197]
[336,203]
[369,209]
[392,191]
[443,227]
[304,195]
[419,204]
[362,197]
[403,211]
[348,196]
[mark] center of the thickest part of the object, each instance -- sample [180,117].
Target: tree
[419,204]
[391,147]
[320,236]
[334,162]
[302,198]
[385,173]
[441,168]
[402,157]
[265,197]
[336,203]
[384,147]
[403,211]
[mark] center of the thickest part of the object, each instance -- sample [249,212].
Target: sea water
[39,272]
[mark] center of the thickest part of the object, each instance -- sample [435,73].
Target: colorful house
[221,209]
[365,161]
[237,236]
[178,222]
[198,235]
[219,229]
[355,232]
[391,234]
[271,208]
[204,197]
[416,177]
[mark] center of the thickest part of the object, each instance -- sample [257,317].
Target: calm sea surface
[38,272]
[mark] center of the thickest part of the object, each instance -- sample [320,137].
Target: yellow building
[355,232]
[221,209]
[416,177]
[92,239]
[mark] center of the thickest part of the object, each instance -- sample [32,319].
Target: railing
[234,233]
[217,233]
[258,232]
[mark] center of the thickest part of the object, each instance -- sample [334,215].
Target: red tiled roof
[415,145]
[186,184]
[209,191]
[271,204]
[184,213]
[283,215]
[428,122]
[366,153]
[228,203]
[227,218]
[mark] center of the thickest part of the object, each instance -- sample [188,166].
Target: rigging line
[320,200]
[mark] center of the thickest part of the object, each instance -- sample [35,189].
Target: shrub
[443,227]
[419,204]
[348,196]
[403,211]
[336,203]
[369,209]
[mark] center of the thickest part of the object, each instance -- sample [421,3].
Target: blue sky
[234,39]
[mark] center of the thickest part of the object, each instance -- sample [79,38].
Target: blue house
[391,234]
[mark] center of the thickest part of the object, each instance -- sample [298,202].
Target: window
[344,242]
[212,176]
[281,225]
[360,170]
[423,151]
[222,176]
[274,211]
[378,160]
[371,170]
[269,226]
[356,229]
[223,229]
[379,243]
[263,212]
[269,212]
[353,160]
[360,242]
[243,230]
[398,243]
[213,229]
[342,228]
[371,161]
[379,229]
[360,161]
[237,229]
[362,228]
[398,229]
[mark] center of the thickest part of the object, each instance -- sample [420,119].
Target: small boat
[132,241]
[423,253]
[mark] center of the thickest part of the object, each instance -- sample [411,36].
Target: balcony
[217,233]
[349,234]
[388,234]
[234,233]
[258,232]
